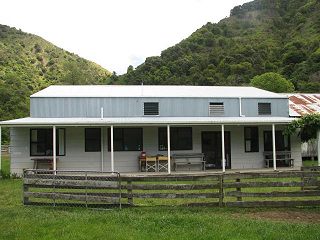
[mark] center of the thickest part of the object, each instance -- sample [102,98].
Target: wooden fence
[231,189]
[71,188]
[292,188]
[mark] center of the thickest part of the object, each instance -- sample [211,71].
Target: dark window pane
[126,139]
[264,108]
[180,138]
[282,141]
[151,108]
[41,142]
[251,139]
[92,139]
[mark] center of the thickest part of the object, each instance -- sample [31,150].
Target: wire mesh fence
[72,188]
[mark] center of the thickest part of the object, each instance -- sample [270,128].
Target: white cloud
[114,33]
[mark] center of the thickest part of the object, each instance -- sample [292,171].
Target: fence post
[119,185]
[221,194]
[86,189]
[129,191]
[54,188]
[25,189]
[238,189]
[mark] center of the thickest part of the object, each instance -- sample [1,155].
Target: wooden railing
[294,188]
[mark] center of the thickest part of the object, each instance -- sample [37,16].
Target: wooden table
[46,160]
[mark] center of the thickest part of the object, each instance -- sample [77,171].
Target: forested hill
[28,63]
[280,36]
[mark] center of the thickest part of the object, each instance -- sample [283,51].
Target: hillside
[280,36]
[29,63]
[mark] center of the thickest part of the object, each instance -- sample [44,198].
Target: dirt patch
[291,216]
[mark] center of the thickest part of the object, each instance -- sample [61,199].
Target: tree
[307,127]
[273,82]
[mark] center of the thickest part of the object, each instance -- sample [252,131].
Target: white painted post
[168,147]
[102,152]
[111,145]
[54,148]
[274,147]
[0,151]
[223,149]
[318,140]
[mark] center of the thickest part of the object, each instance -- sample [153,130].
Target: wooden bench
[281,156]
[189,159]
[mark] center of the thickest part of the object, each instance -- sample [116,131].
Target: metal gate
[89,189]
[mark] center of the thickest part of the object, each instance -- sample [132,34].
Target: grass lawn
[5,165]
[310,163]
[20,222]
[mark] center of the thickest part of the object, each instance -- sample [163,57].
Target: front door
[211,148]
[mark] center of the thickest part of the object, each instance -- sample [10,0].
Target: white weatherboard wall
[77,159]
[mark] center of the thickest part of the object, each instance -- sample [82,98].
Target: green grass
[169,222]
[310,163]
[19,222]
[5,165]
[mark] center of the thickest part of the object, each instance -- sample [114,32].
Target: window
[216,109]
[93,140]
[126,139]
[151,108]
[264,108]
[41,142]
[282,141]
[251,139]
[180,138]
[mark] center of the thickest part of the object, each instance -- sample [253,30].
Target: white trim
[223,150]
[101,113]
[111,150]
[274,147]
[168,147]
[54,148]
[102,150]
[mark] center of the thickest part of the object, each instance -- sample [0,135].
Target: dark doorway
[211,148]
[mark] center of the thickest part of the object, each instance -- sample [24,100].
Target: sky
[114,33]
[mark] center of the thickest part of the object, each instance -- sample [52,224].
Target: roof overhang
[144,121]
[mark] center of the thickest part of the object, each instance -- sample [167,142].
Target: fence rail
[294,188]
[71,188]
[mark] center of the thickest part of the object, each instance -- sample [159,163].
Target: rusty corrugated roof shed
[302,103]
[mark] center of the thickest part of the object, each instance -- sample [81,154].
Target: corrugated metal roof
[145,121]
[302,104]
[153,91]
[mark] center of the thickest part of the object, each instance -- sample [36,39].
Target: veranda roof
[143,121]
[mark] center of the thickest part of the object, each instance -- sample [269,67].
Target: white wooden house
[105,128]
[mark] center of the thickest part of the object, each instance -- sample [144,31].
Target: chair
[162,163]
[151,164]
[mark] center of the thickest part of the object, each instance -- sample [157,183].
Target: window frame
[158,108]
[48,130]
[251,139]
[86,140]
[218,114]
[140,129]
[172,147]
[264,114]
